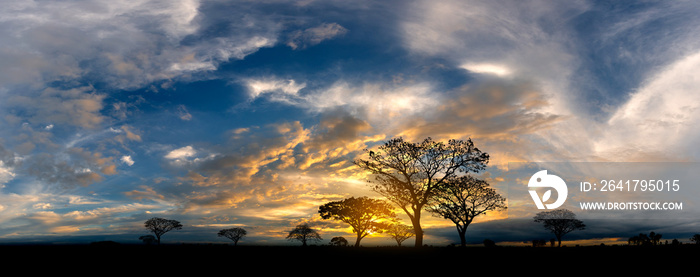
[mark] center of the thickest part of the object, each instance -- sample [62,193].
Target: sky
[249,114]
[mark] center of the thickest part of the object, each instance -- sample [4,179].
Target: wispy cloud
[308,37]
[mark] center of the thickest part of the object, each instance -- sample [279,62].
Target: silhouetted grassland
[210,258]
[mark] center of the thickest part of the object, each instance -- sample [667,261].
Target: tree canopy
[560,222]
[160,226]
[365,215]
[408,173]
[464,198]
[339,241]
[400,232]
[304,233]
[234,234]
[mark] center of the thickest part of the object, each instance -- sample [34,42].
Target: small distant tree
[645,240]
[148,239]
[560,222]
[641,239]
[654,238]
[464,198]
[633,240]
[695,238]
[363,214]
[539,243]
[675,242]
[234,234]
[160,226]
[339,241]
[400,232]
[489,243]
[304,233]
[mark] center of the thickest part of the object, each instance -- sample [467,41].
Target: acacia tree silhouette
[363,214]
[407,173]
[160,226]
[560,222]
[234,234]
[303,233]
[464,198]
[400,232]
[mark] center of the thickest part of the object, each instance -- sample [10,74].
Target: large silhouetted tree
[365,215]
[408,173]
[160,226]
[462,199]
[560,222]
[400,232]
[303,233]
[234,234]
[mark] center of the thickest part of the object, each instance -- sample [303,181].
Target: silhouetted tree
[696,239]
[339,241]
[633,240]
[560,222]
[539,243]
[645,240]
[303,233]
[400,232]
[234,234]
[462,199]
[654,238]
[148,239]
[160,226]
[674,242]
[407,173]
[489,243]
[363,214]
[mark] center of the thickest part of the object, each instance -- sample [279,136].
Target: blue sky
[250,113]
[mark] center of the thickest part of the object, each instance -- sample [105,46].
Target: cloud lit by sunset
[251,114]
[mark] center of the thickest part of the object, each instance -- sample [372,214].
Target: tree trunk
[417,228]
[357,241]
[462,236]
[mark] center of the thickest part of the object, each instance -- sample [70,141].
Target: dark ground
[180,260]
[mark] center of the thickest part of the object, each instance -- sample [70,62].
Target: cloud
[601,73]
[183,113]
[658,120]
[305,38]
[374,101]
[52,170]
[270,166]
[127,160]
[6,174]
[487,68]
[76,107]
[500,110]
[145,193]
[280,90]
[181,153]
